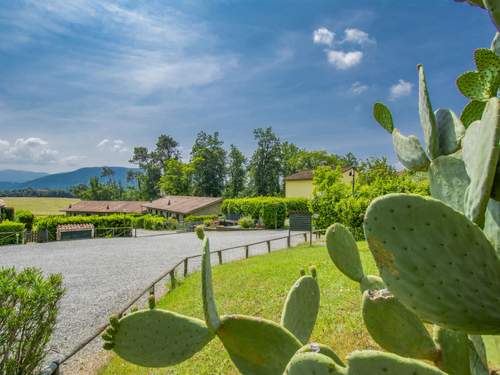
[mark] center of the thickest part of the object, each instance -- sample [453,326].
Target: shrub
[26,217]
[8,213]
[246,222]
[273,214]
[28,311]
[10,226]
[153,222]
[200,218]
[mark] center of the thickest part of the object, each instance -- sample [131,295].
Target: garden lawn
[258,286]
[40,206]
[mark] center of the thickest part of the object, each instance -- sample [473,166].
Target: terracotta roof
[120,207]
[2,203]
[182,204]
[74,227]
[308,175]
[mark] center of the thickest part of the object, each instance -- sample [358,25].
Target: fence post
[186,260]
[172,279]
[219,254]
[305,236]
[246,251]
[135,232]
[289,240]
[268,246]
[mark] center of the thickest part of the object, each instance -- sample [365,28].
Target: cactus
[450,131]
[427,117]
[301,308]
[322,349]
[209,307]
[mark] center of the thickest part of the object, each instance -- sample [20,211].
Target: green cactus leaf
[344,252]
[427,118]
[454,351]
[371,282]
[378,363]
[450,130]
[436,262]
[257,346]
[159,338]
[409,152]
[209,306]
[312,364]
[473,111]
[480,154]
[301,308]
[480,85]
[486,59]
[390,324]
[448,180]
[477,356]
[383,116]
[493,7]
[495,44]
[322,349]
[492,224]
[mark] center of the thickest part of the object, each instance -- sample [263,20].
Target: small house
[179,207]
[87,208]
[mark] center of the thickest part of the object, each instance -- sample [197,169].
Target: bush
[8,213]
[200,218]
[153,222]
[246,222]
[273,215]
[8,239]
[26,217]
[28,311]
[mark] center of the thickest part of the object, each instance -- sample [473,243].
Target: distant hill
[63,181]
[14,175]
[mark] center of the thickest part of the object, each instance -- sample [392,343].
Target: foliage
[236,173]
[265,164]
[199,218]
[8,227]
[177,178]
[40,206]
[50,223]
[246,222]
[100,191]
[29,192]
[209,162]
[153,222]
[26,217]
[8,213]
[28,311]
[273,214]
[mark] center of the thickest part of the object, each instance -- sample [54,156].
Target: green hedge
[273,215]
[26,217]
[154,222]
[8,213]
[10,226]
[110,221]
[200,218]
[253,206]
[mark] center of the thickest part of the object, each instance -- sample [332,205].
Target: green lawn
[258,286]
[40,206]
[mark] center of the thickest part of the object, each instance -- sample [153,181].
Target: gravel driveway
[102,275]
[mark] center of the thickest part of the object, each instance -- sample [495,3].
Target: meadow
[40,206]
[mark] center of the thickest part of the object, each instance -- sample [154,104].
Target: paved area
[102,275]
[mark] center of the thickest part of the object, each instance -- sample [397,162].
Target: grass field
[40,206]
[258,286]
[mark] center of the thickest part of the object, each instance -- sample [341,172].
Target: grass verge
[258,286]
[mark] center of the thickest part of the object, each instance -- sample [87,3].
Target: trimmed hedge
[200,218]
[10,226]
[153,222]
[8,213]
[110,221]
[26,217]
[273,215]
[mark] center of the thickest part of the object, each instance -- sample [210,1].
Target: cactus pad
[454,351]
[378,363]
[391,325]
[383,116]
[371,282]
[301,308]
[436,262]
[492,224]
[478,85]
[480,154]
[409,151]
[493,7]
[322,349]
[427,118]
[473,111]
[209,306]
[450,130]
[257,346]
[495,44]
[448,180]
[344,252]
[311,364]
[486,59]
[159,338]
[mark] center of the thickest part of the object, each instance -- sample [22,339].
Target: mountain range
[17,179]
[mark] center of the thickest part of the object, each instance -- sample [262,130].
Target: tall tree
[107,173]
[166,149]
[265,165]
[209,162]
[177,178]
[236,172]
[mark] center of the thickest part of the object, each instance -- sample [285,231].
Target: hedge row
[200,218]
[110,221]
[26,217]
[10,226]
[152,222]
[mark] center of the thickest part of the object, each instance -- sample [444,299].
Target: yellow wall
[299,189]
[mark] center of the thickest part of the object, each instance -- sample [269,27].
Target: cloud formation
[323,36]
[400,89]
[344,60]
[357,36]
[358,88]
[114,145]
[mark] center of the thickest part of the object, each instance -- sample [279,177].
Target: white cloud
[357,36]
[358,88]
[115,145]
[27,150]
[344,60]
[323,36]
[400,89]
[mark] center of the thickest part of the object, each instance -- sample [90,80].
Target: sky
[84,81]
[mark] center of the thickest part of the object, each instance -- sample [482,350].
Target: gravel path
[102,275]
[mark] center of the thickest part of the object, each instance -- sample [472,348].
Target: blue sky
[83,81]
